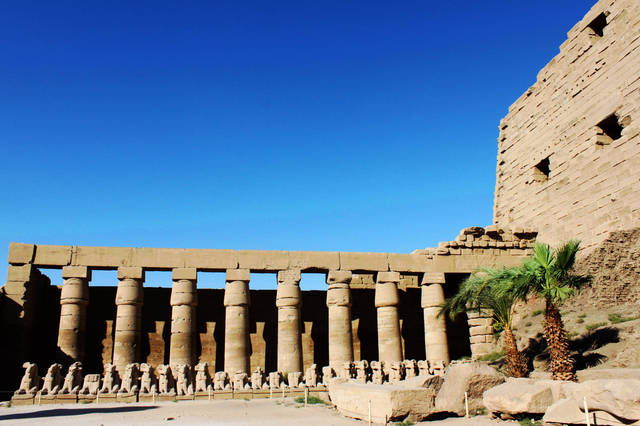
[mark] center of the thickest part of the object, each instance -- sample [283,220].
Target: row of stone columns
[184,301]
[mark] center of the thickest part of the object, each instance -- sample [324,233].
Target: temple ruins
[377,307]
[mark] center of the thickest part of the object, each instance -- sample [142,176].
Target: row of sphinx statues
[184,380]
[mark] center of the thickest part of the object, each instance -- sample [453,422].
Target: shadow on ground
[581,347]
[58,412]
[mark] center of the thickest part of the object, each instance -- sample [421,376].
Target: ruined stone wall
[615,268]
[569,148]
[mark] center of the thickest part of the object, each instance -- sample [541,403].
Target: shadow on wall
[457,329]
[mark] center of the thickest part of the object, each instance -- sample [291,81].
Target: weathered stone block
[184,274]
[76,272]
[314,260]
[21,253]
[210,259]
[19,273]
[407,262]
[364,261]
[102,256]
[158,257]
[388,402]
[52,255]
[263,260]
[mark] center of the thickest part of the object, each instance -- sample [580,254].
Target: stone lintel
[76,272]
[408,262]
[355,261]
[20,253]
[211,259]
[238,275]
[433,278]
[184,274]
[132,272]
[263,260]
[52,255]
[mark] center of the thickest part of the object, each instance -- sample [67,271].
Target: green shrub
[595,325]
[580,320]
[572,335]
[529,324]
[617,318]
[582,316]
[404,423]
[492,356]
[537,312]
[310,400]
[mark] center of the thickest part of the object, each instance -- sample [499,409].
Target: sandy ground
[234,412]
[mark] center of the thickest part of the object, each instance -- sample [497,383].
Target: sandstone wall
[587,179]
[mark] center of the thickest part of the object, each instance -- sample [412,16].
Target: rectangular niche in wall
[541,171]
[608,130]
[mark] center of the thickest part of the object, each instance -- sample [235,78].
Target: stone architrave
[184,300]
[435,330]
[386,300]
[288,301]
[236,334]
[127,340]
[74,299]
[339,305]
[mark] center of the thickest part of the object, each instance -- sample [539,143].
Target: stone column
[184,299]
[289,340]
[74,299]
[435,329]
[339,304]
[127,340]
[236,332]
[389,341]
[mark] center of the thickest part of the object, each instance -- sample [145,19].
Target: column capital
[339,277]
[432,278]
[386,295]
[432,295]
[238,275]
[130,272]
[289,276]
[388,277]
[184,274]
[76,272]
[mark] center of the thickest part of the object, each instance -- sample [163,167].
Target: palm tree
[549,274]
[492,289]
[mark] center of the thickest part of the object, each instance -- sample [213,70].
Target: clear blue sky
[302,125]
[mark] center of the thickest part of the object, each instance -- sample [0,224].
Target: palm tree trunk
[562,364]
[515,359]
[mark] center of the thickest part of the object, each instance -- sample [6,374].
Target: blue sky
[306,125]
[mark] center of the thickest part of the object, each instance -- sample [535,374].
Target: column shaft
[435,329]
[288,300]
[236,335]
[73,313]
[339,305]
[184,299]
[128,335]
[389,339]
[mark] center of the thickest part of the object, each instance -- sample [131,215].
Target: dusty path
[232,412]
